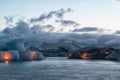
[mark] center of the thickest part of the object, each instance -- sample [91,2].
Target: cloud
[42,28]
[20,30]
[47,22]
[58,13]
[11,20]
[38,19]
[117,32]
[86,29]
[36,34]
[48,28]
[8,19]
[68,23]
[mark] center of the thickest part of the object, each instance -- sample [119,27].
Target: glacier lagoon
[61,68]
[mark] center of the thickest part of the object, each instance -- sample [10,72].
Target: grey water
[61,68]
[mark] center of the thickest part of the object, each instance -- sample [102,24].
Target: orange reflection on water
[6,62]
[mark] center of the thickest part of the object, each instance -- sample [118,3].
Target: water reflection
[6,62]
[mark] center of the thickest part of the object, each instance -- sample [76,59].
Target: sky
[96,13]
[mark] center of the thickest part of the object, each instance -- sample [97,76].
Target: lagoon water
[56,68]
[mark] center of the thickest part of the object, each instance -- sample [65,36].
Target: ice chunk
[16,44]
[9,55]
[25,55]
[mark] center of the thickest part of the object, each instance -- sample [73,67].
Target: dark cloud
[88,29]
[58,13]
[38,33]
[36,29]
[22,28]
[45,28]
[38,19]
[49,28]
[68,23]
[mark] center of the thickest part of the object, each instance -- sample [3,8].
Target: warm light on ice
[84,56]
[33,54]
[7,56]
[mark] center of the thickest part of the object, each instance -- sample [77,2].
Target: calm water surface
[61,69]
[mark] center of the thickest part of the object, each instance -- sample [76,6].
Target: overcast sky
[99,13]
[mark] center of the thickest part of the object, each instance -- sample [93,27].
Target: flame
[33,54]
[69,54]
[84,56]
[7,56]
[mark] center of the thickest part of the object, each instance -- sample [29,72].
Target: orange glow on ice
[33,54]
[69,54]
[84,56]
[107,52]
[7,56]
